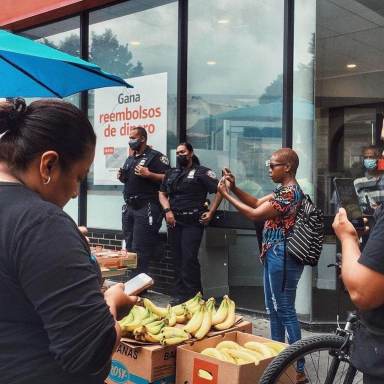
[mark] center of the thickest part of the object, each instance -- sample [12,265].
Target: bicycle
[327,359]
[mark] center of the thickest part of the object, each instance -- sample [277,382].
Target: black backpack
[305,242]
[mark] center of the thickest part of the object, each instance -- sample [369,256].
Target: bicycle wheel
[322,365]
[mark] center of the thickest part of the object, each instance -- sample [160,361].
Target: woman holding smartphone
[183,196]
[278,209]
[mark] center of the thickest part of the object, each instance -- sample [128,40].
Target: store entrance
[350,129]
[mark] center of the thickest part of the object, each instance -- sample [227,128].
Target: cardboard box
[149,363]
[190,361]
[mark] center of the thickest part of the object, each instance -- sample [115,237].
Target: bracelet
[166,210]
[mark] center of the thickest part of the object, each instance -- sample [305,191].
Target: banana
[151,338]
[259,347]
[178,309]
[168,332]
[150,319]
[207,321]
[195,298]
[222,312]
[184,317]
[173,340]
[171,317]
[213,352]
[275,346]
[205,375]
[195,323]
[155,327]
[259,356]
[138,317]
[126,319]
[228,344]
[160,311]
[228,357]
[231,317]
[243,356]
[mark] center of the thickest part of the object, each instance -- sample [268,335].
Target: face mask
[181,160]
[134,144]
[370,163]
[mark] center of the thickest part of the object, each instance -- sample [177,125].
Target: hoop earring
[47,181]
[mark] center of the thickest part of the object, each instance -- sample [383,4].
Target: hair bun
[19,109]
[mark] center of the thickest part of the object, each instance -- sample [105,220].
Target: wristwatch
[166,210]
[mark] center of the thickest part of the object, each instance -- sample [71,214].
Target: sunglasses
[272,165]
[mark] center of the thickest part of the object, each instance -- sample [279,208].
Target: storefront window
[235,65]
[63,35]
[234,119]
[135,40]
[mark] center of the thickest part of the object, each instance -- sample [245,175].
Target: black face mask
[134,144]
[181,160]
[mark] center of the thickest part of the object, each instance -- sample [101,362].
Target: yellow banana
[138,317]
[195,306]
[213,352]
[178,309]
[151,338]
[228,357]
[205,375]
[155,327]
[243,356]
[207,321]
[275,346]
[184,317]
[150,319]
[222,313]
[228,344]
[194,324]
[168,332]
[231,317]
[173,340]
[160,311]
[259,347]
[171,317]
[195,298]
[259,356]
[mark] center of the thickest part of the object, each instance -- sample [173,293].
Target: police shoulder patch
[164,160]
[211,174]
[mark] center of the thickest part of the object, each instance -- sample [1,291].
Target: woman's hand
[170,219]
[206,217]
[229,178]
[116,298]
[222,187]
[343,227]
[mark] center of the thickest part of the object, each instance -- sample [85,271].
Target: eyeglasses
[272,165]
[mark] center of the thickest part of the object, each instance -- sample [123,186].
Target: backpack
[305,242]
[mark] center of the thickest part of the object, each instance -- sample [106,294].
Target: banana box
[232,363]
[147,364]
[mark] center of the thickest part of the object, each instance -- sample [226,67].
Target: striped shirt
[370,191]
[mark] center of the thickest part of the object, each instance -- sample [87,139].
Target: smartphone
[347,198]
[138,284]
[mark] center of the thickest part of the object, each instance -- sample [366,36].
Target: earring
[47,181]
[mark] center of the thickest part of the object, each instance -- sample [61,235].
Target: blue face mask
[370,163]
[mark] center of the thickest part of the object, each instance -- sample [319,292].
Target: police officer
[183,194]
[142,174]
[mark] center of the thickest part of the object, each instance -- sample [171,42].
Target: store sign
[117,111]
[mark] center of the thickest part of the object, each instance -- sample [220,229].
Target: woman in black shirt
[55,324]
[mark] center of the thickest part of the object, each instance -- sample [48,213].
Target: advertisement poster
[117,111]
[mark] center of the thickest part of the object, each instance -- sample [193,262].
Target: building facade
[243,79]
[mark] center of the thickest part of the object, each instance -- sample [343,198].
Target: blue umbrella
[31,69]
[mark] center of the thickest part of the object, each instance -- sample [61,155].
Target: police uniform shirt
[187,188]
[139,186]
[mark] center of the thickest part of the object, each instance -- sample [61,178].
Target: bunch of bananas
[154,324]
[250,352]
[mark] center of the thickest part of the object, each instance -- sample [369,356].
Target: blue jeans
[280,304]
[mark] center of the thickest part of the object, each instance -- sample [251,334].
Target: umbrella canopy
[31,69]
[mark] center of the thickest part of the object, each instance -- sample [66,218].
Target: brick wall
[161,268]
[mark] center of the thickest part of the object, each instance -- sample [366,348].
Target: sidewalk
[260,326]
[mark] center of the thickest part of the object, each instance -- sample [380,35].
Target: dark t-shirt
[55,326]
[188,188]
[373,258]
[142,187]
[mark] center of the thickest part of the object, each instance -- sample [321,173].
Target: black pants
[141,232]
[184,241]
